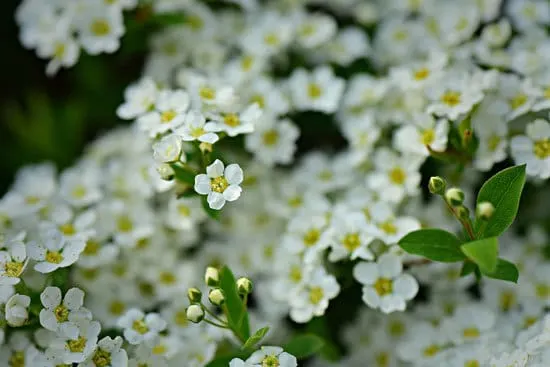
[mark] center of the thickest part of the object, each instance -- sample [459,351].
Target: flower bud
[454,196]
[194,295]
[212,276]
[463,212]
[244,286]
[166,172]
[437,185]
[195,313]
[205,147]
[216,297]
[485,210]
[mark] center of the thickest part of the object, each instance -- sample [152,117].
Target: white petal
[390,266]
[36,251]
[391,303]
[215,169]
[48,320]
[405,286]
[370,297]
[51,297]
[232,193]
[74,298]
[215,200]
[366,272]
[18,252]
[202,184]
[234,174]
[45,267]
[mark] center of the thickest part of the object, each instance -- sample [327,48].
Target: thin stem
[466,224]
[213,314]
[215,324]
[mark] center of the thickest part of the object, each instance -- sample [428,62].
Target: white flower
[351,236]
[420,74]
[267,35]
[270,356]
[319,90]
[100,29]
[16,312]
[12,263]
[273,141]
[58,311]
[168,113]
[109,353]
[55,251]
[350,43]
[195,127]
[238,123]
[454,96]
[63,50]
[219,183]
[534,148]
[139,99]
[75,343]
[315,29]
[80,185]
[385,286]
[168,149]
[423,345]
[313,297]
[426,133]
[139,327]
[306,235]
[469,323]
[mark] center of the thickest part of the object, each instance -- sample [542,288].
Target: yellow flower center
[427,137]
[92,248]
[470,332]
[396,328]
[547,93]
[159,349]
[295,201]
[259,99]
[529,321]
[180,318]
[311,237]
[295,274]
[493,142]
[207,93]
[17,359]
[101,358]
[232,120]
[316,295]
[54,257]
[270,361]
[431,350]
[31,200]
[167,278]
[79,191]
[140,326]
[382,359]
[400,35]
[77,345]
[13,269]
[124,224]
[307,29]
[197,132]
[247,62]
[219,184]
[388,227]
[59,50]
[507,300]
[451,98]
[270,137]
[421,74]
[61,313]
[195,22]
[518,101]
[542,148]
[398,176]
[100,27]
[326,175]
[117,308]
[184,210]
[351,241]
[167,116]
[67,229]
[383,286]
[472,363]
[271,39]
[314,91]
[542,290]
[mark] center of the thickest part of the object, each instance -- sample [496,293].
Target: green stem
[213,314]
[215,324]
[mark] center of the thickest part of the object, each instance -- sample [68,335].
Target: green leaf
[183,174]
[212,213]
[505,270]
[303,346]
[503,190]
[237,316]
[483,252]
[434,244]
[256,337]
[467,268]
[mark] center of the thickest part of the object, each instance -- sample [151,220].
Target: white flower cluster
[59,29]
[122,226]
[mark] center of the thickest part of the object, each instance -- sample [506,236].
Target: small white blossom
[139,327]
[55,251]
[57,310]
[16,312]
[220,183]
[533,148]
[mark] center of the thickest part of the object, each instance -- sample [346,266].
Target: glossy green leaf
[434,244]
[303,346]
[256,337]
[504,270]
[467,268]
[483,252]
[183,174]
[237,316]
[503,190]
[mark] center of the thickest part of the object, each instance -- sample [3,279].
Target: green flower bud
[212,277]
[194,295]
[195,313]
[485,210]
[454,196]
[463,212]
[216,297]
[244,286]
[166,172]
[437,185]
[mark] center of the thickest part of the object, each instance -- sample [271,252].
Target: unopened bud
[437,185]
[194,295]
[485,210]
[463,212]
[195,313]
[205,147]
[212,277]
[454,196]
[165,171]
[216,297]
[244,286]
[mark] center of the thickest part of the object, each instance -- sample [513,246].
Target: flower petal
[234,174]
